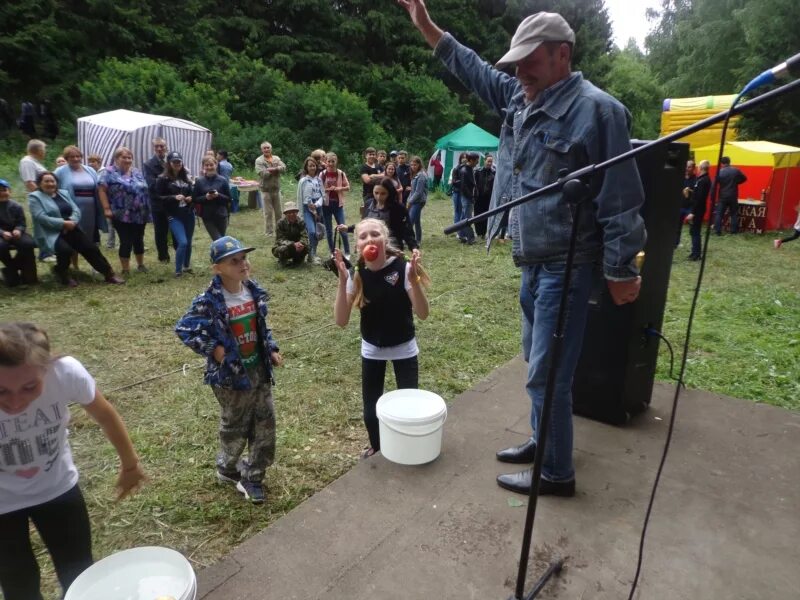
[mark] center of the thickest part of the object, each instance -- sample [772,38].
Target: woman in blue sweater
[57,231]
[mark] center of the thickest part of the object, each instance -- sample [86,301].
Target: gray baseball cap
[535,29]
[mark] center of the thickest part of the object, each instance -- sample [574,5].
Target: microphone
[790,66]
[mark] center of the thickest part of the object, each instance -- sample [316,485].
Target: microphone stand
[576,192]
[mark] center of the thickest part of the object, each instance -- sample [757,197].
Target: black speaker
[615,373]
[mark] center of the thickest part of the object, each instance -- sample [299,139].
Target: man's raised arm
[422,21]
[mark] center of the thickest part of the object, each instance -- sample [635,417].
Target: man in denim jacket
[553,119]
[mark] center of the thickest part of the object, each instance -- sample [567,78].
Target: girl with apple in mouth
[389,290]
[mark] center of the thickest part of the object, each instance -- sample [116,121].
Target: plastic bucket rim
[430,419]
[188,593]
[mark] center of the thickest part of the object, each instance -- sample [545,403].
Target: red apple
[370,252]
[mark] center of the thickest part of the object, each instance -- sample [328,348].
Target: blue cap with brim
[225,247]
[5,184]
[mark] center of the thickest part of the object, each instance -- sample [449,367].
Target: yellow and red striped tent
[773,172]
[678,113]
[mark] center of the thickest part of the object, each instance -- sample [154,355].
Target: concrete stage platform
[726,522]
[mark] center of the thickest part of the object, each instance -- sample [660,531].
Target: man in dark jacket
[468,192]
[151,170]
[404,174]
[689,179]
[702,186]
[484,182]
[729,179]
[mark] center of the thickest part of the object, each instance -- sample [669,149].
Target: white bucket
[411,426]
[145,573]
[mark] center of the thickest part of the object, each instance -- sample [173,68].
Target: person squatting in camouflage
[291,237]
[242,380]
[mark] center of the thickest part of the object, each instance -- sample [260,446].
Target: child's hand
[416,260]
[219,354]
[276,359]
[129,481]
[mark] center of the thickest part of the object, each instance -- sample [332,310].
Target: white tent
[105,132]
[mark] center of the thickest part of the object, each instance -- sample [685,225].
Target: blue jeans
[539,296]
[457,209]
[182,228]
[415,218]
[467,206]
[311,228]
[334,212]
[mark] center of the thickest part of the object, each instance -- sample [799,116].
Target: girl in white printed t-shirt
[38,479]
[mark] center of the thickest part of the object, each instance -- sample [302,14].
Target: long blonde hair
[391,250]
[23,343]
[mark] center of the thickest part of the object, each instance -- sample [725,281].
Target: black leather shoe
[521,483]
[519,455]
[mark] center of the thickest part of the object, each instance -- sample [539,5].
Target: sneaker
[232,478]
[48,259]
[178,274]
[142,269]
[777,243]
[188,270]
[114,280]
[252,490]
[317,260]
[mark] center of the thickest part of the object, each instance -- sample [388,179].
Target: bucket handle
[416,434]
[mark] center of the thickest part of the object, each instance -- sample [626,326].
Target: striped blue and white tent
[105,132]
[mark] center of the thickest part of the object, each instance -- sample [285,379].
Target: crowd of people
[71,205]
[227,323]
[80,199]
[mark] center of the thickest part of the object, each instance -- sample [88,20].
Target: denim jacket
[572,124]
[206,326]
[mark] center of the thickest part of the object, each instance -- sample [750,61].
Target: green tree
[632,82]
[702,47]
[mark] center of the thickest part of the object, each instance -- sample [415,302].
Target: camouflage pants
[287,254]
[247,417]
[272,210]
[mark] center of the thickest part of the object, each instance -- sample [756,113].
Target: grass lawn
[745,344]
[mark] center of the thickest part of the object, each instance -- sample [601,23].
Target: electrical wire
[692,312]
[658,334]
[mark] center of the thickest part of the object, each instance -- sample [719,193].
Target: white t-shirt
[399,352]
[35,459]
[243,317]
[29,168]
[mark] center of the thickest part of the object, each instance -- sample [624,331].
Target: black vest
[386,318]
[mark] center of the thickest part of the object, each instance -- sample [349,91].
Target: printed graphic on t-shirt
[245,329]
[331,179]
[30,441]
[392,278]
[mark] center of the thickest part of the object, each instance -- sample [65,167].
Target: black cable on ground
[692,312]
[658,334]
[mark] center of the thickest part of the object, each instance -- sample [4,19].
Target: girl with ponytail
[389,290]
